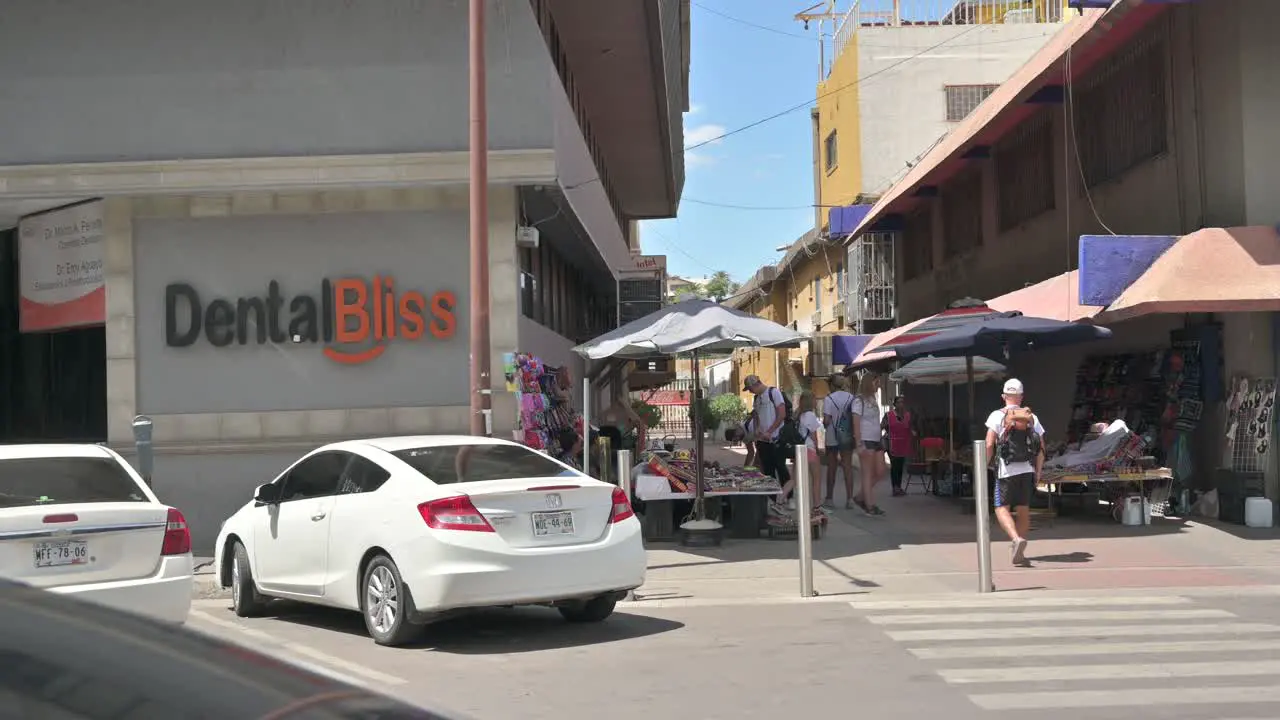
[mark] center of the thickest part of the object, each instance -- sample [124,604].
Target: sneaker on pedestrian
[1019,552]
[875,511]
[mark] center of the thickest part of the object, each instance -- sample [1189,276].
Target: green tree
[719,286]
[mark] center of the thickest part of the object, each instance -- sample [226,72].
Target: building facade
[1132,128]
[904,73]
[278,199]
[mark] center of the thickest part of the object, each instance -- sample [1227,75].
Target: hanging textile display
[547,421]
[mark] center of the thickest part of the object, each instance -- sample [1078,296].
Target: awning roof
[1008,105]
[881,346]
[1057,298]
[1210,270]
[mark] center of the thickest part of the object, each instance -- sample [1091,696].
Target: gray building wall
[92,81]
[237,257]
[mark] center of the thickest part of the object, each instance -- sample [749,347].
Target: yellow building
[901,75]
[804,291]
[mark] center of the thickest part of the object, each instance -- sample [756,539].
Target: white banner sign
[60,269]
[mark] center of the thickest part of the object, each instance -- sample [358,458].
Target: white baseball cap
[1013,386]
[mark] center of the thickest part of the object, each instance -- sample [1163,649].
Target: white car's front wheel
[386,604]
[245,599]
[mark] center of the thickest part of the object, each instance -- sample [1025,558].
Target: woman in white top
[811,431]
[866,431]
[837,413]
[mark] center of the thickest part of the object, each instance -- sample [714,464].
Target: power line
[750,24]
[829,93]
[808,38]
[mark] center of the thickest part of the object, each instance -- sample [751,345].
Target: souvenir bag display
[544,404]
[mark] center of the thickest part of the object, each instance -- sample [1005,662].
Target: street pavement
[1059,655]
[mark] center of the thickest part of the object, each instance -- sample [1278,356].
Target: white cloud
[701,135]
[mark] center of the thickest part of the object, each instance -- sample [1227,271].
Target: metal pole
[586,425]
[479,226]
[982,512]
[804,520]
[624,472]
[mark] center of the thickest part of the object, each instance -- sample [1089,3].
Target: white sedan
[407,529]
[78,520]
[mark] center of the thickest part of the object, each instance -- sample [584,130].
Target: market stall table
[747,493]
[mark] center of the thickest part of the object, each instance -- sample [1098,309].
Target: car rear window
[449,464]
[48,480]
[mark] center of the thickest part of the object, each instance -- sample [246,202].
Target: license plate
[553,523]
[61,552]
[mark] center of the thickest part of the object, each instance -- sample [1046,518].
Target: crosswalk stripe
[1085,649]
[1014,618]
[1000,601]
[1132,697]
[1128,671]
[1096,631]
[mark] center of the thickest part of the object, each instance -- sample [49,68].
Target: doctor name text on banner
[60,268]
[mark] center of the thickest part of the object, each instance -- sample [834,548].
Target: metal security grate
[963,99]
[1250,424]
[1024,173]
[871,280]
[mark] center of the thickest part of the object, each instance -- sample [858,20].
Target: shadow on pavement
[484,632]
[1073,557]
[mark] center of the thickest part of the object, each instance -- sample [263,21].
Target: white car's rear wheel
[245,599]
[386,604]
[596,609]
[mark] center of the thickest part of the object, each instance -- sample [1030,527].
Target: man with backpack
[1015,440]
[770,411]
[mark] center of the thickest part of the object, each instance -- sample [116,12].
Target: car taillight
[177,536]
[455,513]
[621,506]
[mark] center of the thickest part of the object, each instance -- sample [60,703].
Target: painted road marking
[1128,648]
[1093,631]
[1013,618]
[366,674]
[1125,671]
[1017,602]
[1130,697]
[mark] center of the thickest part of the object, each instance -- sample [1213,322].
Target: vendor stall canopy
[947,370]
[1002,334]
[688,326]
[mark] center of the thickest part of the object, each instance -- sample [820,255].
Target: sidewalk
[926,545]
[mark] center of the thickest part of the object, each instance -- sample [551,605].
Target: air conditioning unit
[527,237]
[840,313]
[819,363]
[816,320]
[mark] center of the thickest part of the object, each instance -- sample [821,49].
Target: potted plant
[730,411]
[710,420]
[650,414]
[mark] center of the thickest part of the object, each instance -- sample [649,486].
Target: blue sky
[738,75]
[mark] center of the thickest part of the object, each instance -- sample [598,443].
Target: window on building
[1121,110]
[962,213]
[917,244]
[962,99]
[830,152]
[1024,172]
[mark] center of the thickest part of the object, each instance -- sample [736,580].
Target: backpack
[789,432]
[1019,445]
[842,428]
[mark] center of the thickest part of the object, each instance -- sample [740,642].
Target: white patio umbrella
[691,326]
[949,371]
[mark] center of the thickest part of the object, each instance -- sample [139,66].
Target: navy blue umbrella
[997,337]
[1000,335]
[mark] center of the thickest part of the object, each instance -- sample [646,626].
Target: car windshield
[50,480]
[449,464]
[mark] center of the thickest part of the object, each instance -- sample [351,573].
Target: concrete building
[256,214]
[1133,128]
[903,74]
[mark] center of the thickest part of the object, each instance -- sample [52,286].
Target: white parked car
[407,529]
[78,520]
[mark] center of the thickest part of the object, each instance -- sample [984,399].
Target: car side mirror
[268,494]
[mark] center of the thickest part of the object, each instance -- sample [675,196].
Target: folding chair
[928,452]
